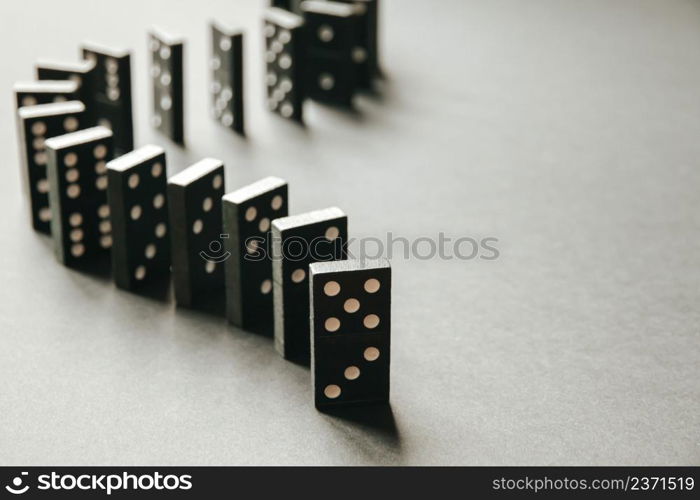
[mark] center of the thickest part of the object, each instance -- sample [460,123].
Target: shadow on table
[375,421]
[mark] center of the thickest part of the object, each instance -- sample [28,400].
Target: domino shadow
[350,113]
[98,268]
[377,94]
[223,134]
[376,420]
[380,90]
[295,126]
[304,363]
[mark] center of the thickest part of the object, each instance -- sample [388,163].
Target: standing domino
[139,214]
[111,93]
[350,332]
[334,38]
[247,215]
[168,84]
[285,54]
[77,168]
[194,206]
[227,77]
[298,241]
[36,124]
[366,53]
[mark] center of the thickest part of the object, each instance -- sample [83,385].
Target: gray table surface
[568,130]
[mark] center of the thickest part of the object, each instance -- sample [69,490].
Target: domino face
[44,92]
[248,213]
[77,168]
[332,26]
[227,77]
[285,58]
[298,241]
[80,73]
[36,124]
[194,206]
[111,93]
[350,332]
[366,53]
[333,29]
[331,80]
[168,85]
[136,194]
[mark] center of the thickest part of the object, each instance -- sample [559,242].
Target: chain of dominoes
[285,276]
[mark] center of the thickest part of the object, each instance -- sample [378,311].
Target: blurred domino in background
[285,54]
[110,92]
[168,84]
[227,77]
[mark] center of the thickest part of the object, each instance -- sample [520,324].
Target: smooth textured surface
[569,130]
